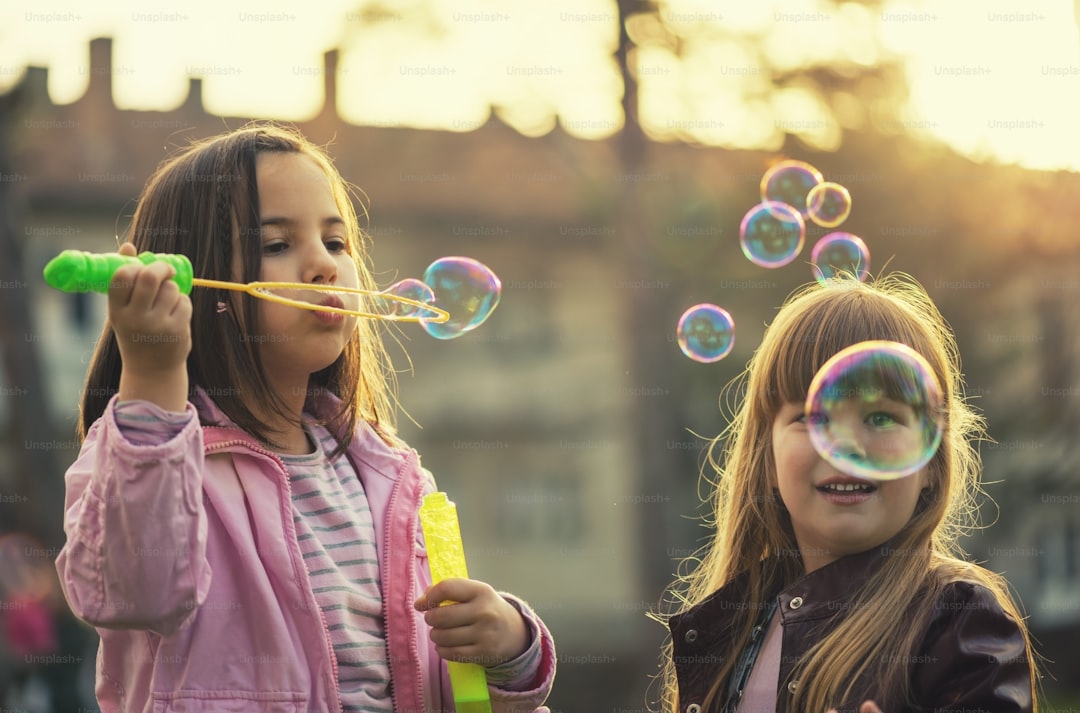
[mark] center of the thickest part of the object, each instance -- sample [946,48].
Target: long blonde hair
[753,532]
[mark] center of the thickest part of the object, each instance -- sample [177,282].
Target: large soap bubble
[875,410]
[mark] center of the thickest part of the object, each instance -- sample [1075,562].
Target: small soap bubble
[790,182]
[828,204]
[875,410]
[465,288]
[706,333]
[772,234]
[412,289]
[839,253]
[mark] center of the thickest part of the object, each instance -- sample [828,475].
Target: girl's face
[304,239]
[831,520]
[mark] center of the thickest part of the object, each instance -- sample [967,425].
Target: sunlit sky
[997,79]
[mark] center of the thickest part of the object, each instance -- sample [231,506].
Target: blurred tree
[33,472]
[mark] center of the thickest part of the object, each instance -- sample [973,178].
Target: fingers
[450,590]
[141,284]
[150,317]
[477,626]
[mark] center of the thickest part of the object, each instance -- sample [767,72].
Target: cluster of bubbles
[874,410]
[463,287]
[772,234]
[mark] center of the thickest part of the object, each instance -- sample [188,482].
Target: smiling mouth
[847,488]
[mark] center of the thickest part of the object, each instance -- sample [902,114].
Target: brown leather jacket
[972,657]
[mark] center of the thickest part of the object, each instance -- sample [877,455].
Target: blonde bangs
[820,320]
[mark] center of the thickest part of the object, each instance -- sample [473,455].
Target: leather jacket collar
[971,655]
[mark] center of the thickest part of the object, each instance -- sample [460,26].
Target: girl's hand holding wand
[152,323]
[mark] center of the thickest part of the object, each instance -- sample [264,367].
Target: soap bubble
[706,333]
[838,253]
[772,234]
[875,410]
[465,288]
[828,204]
[413,289]
[790,182]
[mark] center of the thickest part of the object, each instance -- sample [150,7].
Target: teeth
[849,487]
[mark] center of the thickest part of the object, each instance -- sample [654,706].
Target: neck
[293,441]
[286,434]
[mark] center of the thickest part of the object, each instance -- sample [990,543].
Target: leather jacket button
[693,708]
[690,636]
[796,603]
[792,687]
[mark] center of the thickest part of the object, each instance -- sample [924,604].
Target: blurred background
[599,157]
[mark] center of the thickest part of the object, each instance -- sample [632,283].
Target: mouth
[333,301]
[846,487]
[327,313]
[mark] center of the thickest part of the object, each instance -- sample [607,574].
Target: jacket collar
[367,448]
[828,590]
[822,593]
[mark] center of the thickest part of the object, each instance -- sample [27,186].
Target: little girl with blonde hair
[804,601]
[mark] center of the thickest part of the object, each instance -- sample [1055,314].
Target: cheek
[270,318]
[902,497]
[348,276]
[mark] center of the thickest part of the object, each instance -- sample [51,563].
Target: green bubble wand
[446,557]
[80,271]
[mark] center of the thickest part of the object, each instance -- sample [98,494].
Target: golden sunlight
[994,79]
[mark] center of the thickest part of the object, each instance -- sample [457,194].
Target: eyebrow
[289,222]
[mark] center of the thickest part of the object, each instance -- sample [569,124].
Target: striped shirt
[337,538]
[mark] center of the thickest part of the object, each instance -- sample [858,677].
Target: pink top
[760,693]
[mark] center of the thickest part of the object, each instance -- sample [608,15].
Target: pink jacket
[184,556]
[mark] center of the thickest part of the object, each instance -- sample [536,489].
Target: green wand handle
[80,271]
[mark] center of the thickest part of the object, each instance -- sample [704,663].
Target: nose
[844,444]
[320,266]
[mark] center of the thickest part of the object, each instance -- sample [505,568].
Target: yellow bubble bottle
[446,557]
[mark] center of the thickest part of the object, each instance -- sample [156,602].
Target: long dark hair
[195,204]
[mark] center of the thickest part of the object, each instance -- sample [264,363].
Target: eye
[880,419]
[274,247]
[337,245]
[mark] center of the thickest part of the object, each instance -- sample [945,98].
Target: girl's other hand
[152,322]
[479,626]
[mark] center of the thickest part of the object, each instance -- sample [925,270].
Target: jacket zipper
[384,566]
[303,576]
